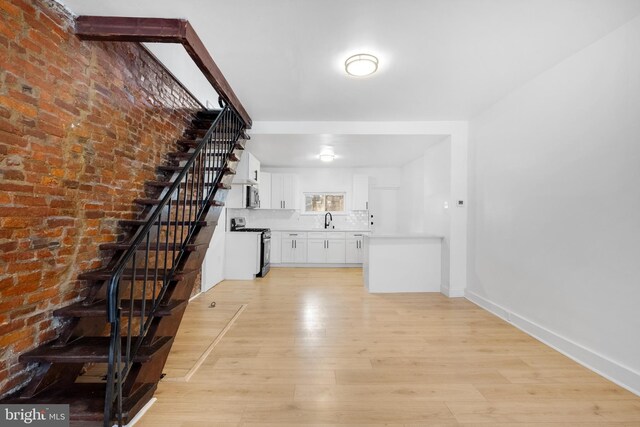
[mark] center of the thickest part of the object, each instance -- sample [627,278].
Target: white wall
[425,187]
[213,265]
[437,191]
[411,197]
[555,210]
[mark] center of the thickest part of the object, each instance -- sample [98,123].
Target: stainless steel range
[239,224]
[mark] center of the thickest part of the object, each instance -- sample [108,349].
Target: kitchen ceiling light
[327,157]
[361,65]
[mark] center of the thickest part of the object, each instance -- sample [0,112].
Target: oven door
[266,251]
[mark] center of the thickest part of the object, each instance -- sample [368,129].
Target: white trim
[139,415]
[195,296]
[306,265]
[446,290]
[602,365]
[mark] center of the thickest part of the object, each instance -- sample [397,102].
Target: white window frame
[324,193]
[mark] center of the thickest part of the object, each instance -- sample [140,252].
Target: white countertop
[404,236]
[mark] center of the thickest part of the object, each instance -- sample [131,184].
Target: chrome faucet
[327,221]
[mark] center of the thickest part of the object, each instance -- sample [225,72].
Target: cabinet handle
[284,204]
[367,204]
[295,244]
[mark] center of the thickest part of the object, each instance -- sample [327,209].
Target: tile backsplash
[293,220]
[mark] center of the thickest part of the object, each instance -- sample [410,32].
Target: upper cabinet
[284,191]
[264,190]
[360,193]
[248,171]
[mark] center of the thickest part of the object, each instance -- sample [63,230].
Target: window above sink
[324,202]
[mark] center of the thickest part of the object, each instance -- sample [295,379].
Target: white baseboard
[451,293]
[340,265]
[610,369]
[195,296]
[142,411]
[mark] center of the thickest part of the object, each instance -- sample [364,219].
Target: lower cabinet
[336,251]
[294,248]
[326,251]
[316,251]
[315,247]
[355,248]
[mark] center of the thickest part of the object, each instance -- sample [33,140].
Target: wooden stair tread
[193,143]
[228,130]
[184,155]
[173,203]
[99,309]
[220,185]
[89,350]
[138,222]
[128,274]
[208,114]
[176,168]
[86,401]
[161,246]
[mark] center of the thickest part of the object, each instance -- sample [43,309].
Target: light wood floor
[312,348]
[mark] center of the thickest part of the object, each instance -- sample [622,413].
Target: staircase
[108,360]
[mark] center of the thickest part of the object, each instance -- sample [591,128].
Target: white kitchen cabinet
[335,251]
[264,190]
[276,247]
[242,255]
[326,248]
[284,191]
[354,248]
[294,248]
[352,252]
[316,251]
[248,170]
[360,199]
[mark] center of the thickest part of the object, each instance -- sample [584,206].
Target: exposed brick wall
[82,126]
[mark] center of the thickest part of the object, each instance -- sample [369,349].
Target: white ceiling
[439,59]
[350,150]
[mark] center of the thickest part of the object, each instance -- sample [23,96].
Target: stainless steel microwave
[252,197]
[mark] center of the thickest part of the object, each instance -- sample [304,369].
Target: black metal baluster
[144,286]
[157,257]
[165,281]
[131,299]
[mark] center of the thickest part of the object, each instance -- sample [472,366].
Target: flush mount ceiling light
[327,157]
[361,65]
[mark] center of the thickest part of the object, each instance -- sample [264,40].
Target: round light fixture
[327,157]
[361,65]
